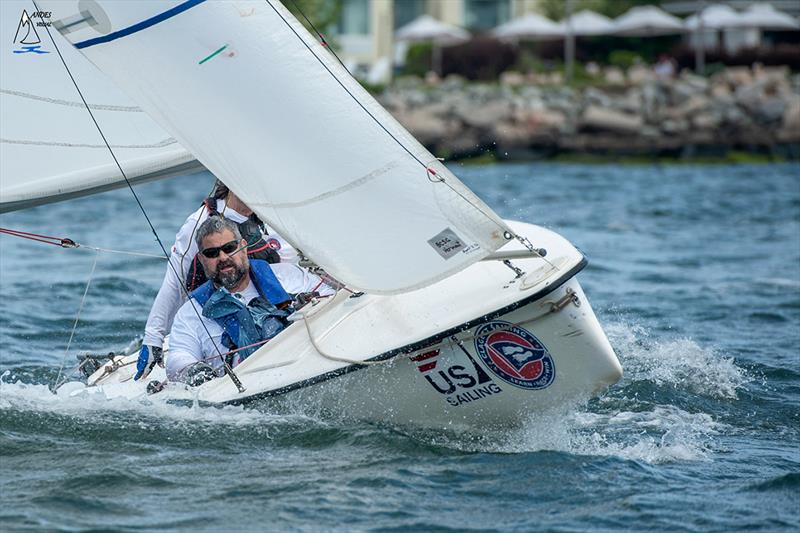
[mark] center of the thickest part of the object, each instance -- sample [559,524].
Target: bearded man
[243,303]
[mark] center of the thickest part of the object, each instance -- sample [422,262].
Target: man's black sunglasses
[229,248]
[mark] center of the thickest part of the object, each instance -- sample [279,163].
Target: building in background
[365,32]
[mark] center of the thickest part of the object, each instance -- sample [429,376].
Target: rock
[614,76]
[737,76]
[602,119]
[720,90]
[699,83]
[508,135]
[705,121]
[427,128]
[790,129]
[630,102]
[694,104]
[512,79]
[542,119]
[672,127]
[771,110]
[682,91]
[639,74]
[484,116]
[594,96]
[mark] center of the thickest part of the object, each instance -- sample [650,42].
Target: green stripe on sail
[212,55]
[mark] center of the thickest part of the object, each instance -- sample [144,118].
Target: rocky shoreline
[520,117]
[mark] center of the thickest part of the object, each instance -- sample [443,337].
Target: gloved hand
[148,357]
[199,373]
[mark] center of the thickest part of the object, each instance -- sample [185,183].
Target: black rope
[228,370]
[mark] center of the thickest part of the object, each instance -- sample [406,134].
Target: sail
[268,110]
[49,148]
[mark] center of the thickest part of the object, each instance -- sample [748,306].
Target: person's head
[223,253]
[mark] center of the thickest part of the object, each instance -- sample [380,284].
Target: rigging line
[321,37]
[228,369]
[65,242]
[75,324]
[427,168]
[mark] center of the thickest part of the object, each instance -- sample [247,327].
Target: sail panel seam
[334,192]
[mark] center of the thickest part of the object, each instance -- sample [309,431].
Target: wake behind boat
[453,315]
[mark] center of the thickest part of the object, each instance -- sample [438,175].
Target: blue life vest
[244,325]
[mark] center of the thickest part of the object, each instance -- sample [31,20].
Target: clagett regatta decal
[515,355]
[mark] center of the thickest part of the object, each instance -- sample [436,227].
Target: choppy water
[694,271]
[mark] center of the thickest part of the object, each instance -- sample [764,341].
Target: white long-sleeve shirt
[171,295]
[189,340]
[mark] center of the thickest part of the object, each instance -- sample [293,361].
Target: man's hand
[199,373]
[148,357]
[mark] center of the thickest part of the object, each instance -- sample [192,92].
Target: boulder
[427,128]
[674,127]
[706,121]
[639,74]
[737,76]
[598,118]
[614,76]
[484,116]
[790,129]
[512,79]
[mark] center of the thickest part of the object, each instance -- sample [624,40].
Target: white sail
[49,148]
[268,110]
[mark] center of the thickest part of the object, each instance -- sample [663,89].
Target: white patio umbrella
[766,17]
[715,17]
[532,26]
[427,29]
[586,23]
[647,21]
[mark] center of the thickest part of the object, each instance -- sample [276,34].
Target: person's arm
[172,295]
[185,347]
[296,280]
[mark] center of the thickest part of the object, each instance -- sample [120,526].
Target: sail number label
[447,243]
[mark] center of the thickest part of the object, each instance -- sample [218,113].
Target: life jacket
[257,247]
[263,318]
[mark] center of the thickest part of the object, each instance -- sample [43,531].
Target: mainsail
[265,107]
[49,148]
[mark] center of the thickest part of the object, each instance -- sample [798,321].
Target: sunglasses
[229,248]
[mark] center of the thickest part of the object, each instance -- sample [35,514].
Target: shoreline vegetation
[737,115]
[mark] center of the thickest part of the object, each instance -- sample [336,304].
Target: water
[694,272]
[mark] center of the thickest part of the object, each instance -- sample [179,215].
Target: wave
[679,363]
[790,482]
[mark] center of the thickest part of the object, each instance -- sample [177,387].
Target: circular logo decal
[274,243]
[515,355]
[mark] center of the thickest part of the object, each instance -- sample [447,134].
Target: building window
[486,14]
[355,18]
[407,10]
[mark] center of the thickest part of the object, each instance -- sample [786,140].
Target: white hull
[480,348]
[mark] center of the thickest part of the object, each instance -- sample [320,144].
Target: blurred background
[578,79]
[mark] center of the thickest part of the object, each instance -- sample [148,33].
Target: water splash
[678,363]
[74,400]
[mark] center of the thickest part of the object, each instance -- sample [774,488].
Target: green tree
[321,13]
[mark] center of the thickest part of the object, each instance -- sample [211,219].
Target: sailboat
[452,317]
